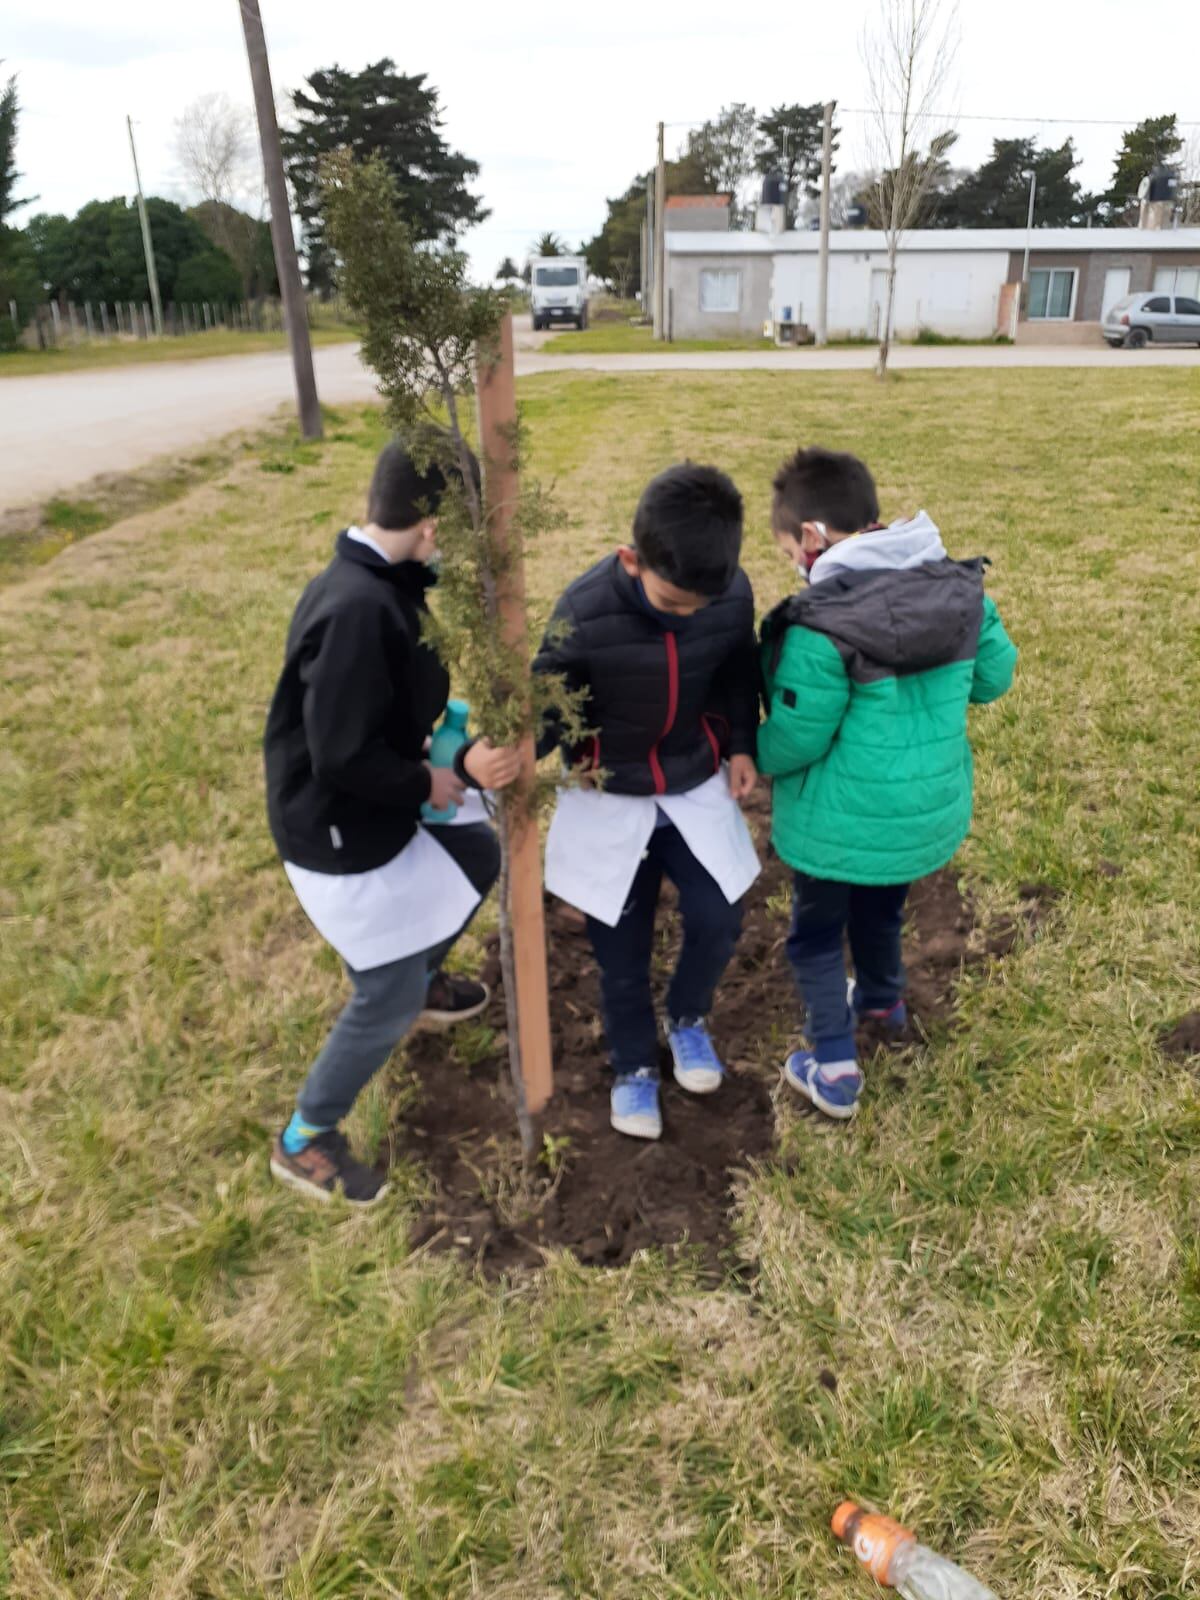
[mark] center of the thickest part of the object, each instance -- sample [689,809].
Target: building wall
[956,294]
[1092,265]
[754,307]
[697,219]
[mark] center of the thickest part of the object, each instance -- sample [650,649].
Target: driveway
[61,430]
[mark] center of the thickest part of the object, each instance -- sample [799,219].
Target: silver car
[1142,319]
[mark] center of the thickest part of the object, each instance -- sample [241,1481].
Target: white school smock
[418,899]
[597,841]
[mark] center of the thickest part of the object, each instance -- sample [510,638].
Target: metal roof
[861,241]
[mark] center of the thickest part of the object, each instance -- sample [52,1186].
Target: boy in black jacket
[346,779]
[661,635]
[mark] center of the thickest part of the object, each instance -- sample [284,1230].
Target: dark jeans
[710,932]
[387,1000]
[823,914]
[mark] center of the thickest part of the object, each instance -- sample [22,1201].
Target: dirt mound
[599,1194]
[1182,1041]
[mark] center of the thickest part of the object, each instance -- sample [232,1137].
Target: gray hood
[893,602]
[908,542]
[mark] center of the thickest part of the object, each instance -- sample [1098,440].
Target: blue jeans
[824,914]
[387,1000]
[710,932]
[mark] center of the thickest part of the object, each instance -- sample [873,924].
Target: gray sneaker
[325,1167]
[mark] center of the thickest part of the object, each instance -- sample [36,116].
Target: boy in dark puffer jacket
[868,674]
[661,636]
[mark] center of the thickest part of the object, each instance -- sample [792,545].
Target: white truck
[558,290]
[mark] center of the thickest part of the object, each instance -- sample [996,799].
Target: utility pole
[823,251]
[660,242]
[147,241]
[1029,229]
[286,264]
[648,249]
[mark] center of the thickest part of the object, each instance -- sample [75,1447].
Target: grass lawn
[132,352]
[214,1392]
[623,338]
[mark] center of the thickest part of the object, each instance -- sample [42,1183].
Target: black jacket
[358,697]
[668,697]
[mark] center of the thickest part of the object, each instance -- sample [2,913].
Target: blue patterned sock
[299,1133]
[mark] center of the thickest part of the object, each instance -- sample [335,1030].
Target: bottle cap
[458,711]
[874,1539]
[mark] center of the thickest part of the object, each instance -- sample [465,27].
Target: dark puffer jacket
[669,697]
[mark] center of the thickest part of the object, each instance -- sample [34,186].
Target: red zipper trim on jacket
[712,739]
[656,771]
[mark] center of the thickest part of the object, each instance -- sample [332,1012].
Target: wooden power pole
[147,240]
[287,265]
[660,242]
[529,1007]
[822,336]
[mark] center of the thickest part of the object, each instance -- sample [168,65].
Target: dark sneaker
[326,1166]
[450,999]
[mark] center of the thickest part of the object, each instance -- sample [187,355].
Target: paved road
[60,430]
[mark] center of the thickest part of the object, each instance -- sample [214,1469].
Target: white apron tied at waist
[597,841]
[418,899]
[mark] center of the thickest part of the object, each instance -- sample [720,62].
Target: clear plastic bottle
[893,1557]
[448,739]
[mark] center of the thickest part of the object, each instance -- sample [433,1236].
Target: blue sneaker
[633,1104]
[698,1067]
[836,1097]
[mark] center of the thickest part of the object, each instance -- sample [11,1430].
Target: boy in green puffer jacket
[868,675]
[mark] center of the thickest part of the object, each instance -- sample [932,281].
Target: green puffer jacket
[868,675]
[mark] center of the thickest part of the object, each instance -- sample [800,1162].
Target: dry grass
[210,1390]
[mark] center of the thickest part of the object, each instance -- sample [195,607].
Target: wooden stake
[497,425]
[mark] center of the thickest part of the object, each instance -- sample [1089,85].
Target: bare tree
[909,57]
[217,150]
[1189,182]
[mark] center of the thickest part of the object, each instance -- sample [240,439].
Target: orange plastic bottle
[892,1556]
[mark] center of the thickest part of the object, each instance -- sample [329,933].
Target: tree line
[725,156]
[219,250]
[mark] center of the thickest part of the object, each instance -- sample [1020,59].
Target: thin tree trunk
[885,333]
[508,967]
[508,976]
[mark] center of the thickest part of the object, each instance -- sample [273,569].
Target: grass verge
[136,352]
[33,535]
[979,1306]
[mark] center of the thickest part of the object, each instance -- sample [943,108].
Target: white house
[952,281]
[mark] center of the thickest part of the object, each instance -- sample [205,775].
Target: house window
[1052,293]
[1178,280]
[720,289]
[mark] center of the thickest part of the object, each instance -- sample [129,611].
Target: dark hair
[401,493]
[688,528]
[827,486]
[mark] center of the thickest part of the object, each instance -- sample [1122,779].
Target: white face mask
[805,565]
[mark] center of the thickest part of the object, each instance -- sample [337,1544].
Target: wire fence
[57,325]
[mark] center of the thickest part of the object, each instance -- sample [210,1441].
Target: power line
[980,116]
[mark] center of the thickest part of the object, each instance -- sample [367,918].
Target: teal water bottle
[448,739]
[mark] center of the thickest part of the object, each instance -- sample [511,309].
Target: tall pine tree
[789,142]
[394,116]
[996,195]
[18,269]
[1153,143]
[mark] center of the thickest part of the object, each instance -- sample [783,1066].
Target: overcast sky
[558,104]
